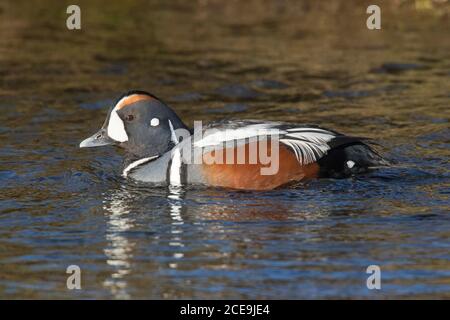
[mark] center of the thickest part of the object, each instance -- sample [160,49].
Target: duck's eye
[154,122]
[129,117]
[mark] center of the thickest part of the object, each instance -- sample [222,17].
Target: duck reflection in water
[119,250]
[119,206]
[131,210]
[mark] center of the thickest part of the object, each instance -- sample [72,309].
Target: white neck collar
[136,163]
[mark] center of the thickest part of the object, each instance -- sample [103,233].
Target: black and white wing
[309,143]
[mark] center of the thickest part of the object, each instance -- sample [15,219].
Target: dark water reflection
[294,61]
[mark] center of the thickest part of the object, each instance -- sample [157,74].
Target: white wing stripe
[311,143]
[308,146]
[308,130]
[292,146]
[217,138]
[313,137]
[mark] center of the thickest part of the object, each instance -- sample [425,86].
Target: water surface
[293,61]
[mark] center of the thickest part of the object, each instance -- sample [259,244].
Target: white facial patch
[350,164]
[154,122]
[116,128]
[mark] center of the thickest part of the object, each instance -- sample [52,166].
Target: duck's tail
[348,159]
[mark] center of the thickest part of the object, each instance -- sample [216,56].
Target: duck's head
[140,123]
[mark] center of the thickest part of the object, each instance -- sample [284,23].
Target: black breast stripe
[169,165]
[183,173]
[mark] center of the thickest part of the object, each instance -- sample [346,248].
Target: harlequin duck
[250,154]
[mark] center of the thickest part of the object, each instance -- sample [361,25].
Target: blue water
[61,205]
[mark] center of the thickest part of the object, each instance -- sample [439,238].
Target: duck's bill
[97,140]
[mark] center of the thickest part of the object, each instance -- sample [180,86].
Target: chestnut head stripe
[132,99]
